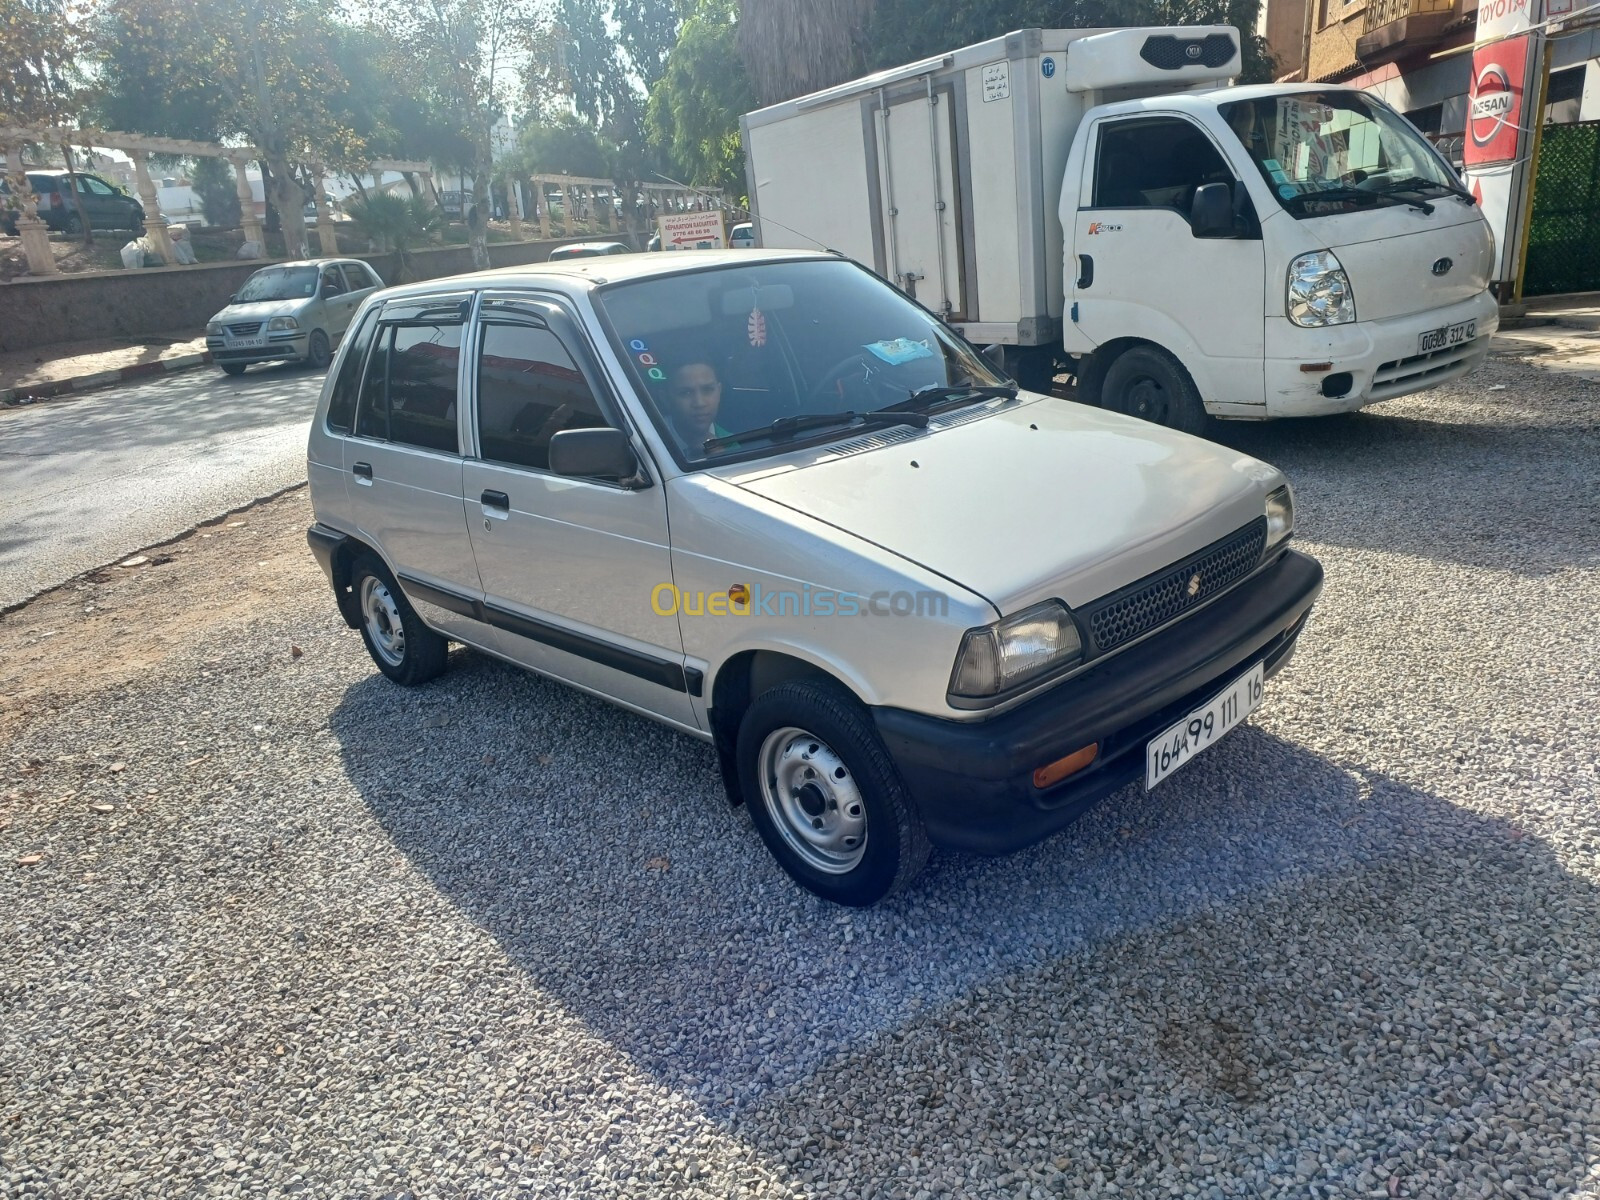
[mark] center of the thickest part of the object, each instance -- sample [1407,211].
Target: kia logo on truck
[1492,105]
[1441,266]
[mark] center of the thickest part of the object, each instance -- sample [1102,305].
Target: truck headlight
[282,323]
[1319,291]
[1280,515]
[999,657]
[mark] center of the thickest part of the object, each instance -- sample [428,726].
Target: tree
[395,224]
[695,106]
[219,195]
[467,45]
[41,80]
[254,69]
[791,47]
[566,145]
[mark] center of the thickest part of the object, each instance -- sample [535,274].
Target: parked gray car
[296,311]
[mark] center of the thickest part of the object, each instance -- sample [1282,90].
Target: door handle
[1085,271]
[496,500]
[362,471]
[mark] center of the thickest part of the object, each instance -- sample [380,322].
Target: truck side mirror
[1211,212]
[593,454]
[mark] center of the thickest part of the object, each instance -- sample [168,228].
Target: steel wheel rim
[1147,399]
[384,625]
[813,800]
[320,353]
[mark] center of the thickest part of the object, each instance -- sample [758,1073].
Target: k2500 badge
[1102,227]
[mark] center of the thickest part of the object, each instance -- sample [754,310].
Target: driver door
[1140,271]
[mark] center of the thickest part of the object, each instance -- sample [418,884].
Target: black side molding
[654,670]
[325,543]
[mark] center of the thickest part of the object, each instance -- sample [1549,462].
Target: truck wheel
[405,649]
[1149,383]
[1033,367]
[825,796]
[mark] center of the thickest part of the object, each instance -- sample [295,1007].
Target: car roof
[311,262]
[582,274]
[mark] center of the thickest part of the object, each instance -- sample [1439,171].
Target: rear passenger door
[569,566]
[403,457]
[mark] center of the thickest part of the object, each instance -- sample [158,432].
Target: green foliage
[213,181]
[41,69]
[567,145]
[695,107]
[395,224]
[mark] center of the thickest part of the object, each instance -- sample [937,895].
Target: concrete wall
[158,300]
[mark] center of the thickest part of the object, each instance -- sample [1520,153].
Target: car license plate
[1449,335]
[1204,726]
[246,343]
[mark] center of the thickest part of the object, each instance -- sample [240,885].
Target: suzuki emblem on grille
[1442,266]
[1194,585]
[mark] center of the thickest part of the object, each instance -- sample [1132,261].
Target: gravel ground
[295,931]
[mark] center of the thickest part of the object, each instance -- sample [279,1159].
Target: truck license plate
[1204,726]
[1446,337]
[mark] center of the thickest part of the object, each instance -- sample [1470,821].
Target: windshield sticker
[1288,191]
[901,350]
[647,361]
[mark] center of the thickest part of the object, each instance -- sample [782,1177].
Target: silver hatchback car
[767,499]
[293,311]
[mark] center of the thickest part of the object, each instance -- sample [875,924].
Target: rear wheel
[232,368]
[74,225]
[825,796]
[1148,383]
[405,649]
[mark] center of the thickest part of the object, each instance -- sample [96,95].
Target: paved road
[88,480]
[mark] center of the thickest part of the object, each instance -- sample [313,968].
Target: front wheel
[318,352]
[232,368]
[825,796]
[405,649]
[1148,383]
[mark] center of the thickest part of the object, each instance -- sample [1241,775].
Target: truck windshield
[738,362]
[1337,151]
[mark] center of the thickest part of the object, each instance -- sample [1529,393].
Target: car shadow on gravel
[1501,480]
[1254,938]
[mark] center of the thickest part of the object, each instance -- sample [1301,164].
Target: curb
[28,393]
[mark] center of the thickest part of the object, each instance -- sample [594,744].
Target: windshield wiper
[1417,182]
[924,399]
[788,427]
[1366,194]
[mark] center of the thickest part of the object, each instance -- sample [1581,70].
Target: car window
[347,384]
[1155,162]
[279,283]
[529,389]
[356,277]
[422,386]
[332,282]
[93,186]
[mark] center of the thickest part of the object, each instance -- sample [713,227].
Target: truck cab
[1105,202]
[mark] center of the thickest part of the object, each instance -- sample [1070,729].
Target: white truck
[1104,202]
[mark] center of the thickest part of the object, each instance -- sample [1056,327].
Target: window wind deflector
[788,427]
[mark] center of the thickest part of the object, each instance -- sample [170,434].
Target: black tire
[318,353]
[1148,383]
[135,222]
[1033,367]
[417,654]
[817,717]
[73,226]
[232,368]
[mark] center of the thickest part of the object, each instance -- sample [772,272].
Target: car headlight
[1319,291]
[283,323]
[213,328]
[1280,515]
[999,657]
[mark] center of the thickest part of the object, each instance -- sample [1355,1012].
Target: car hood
[1035,500]
[260,310]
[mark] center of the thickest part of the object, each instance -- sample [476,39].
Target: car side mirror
[233,299]
[593,454]
[996,357]
[1211,212]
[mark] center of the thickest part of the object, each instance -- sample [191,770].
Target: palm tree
[395,224]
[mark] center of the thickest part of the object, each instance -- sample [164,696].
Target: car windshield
[739,362]
[1337,151]
[279,283]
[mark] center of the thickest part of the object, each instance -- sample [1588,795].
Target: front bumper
[973,781]
[1379,356]
[290,346]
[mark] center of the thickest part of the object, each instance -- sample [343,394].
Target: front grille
[1151,602]
[1167,53]
[245,329]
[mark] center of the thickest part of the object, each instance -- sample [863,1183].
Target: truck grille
[1167,53]
[245,329]
[1151,602]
